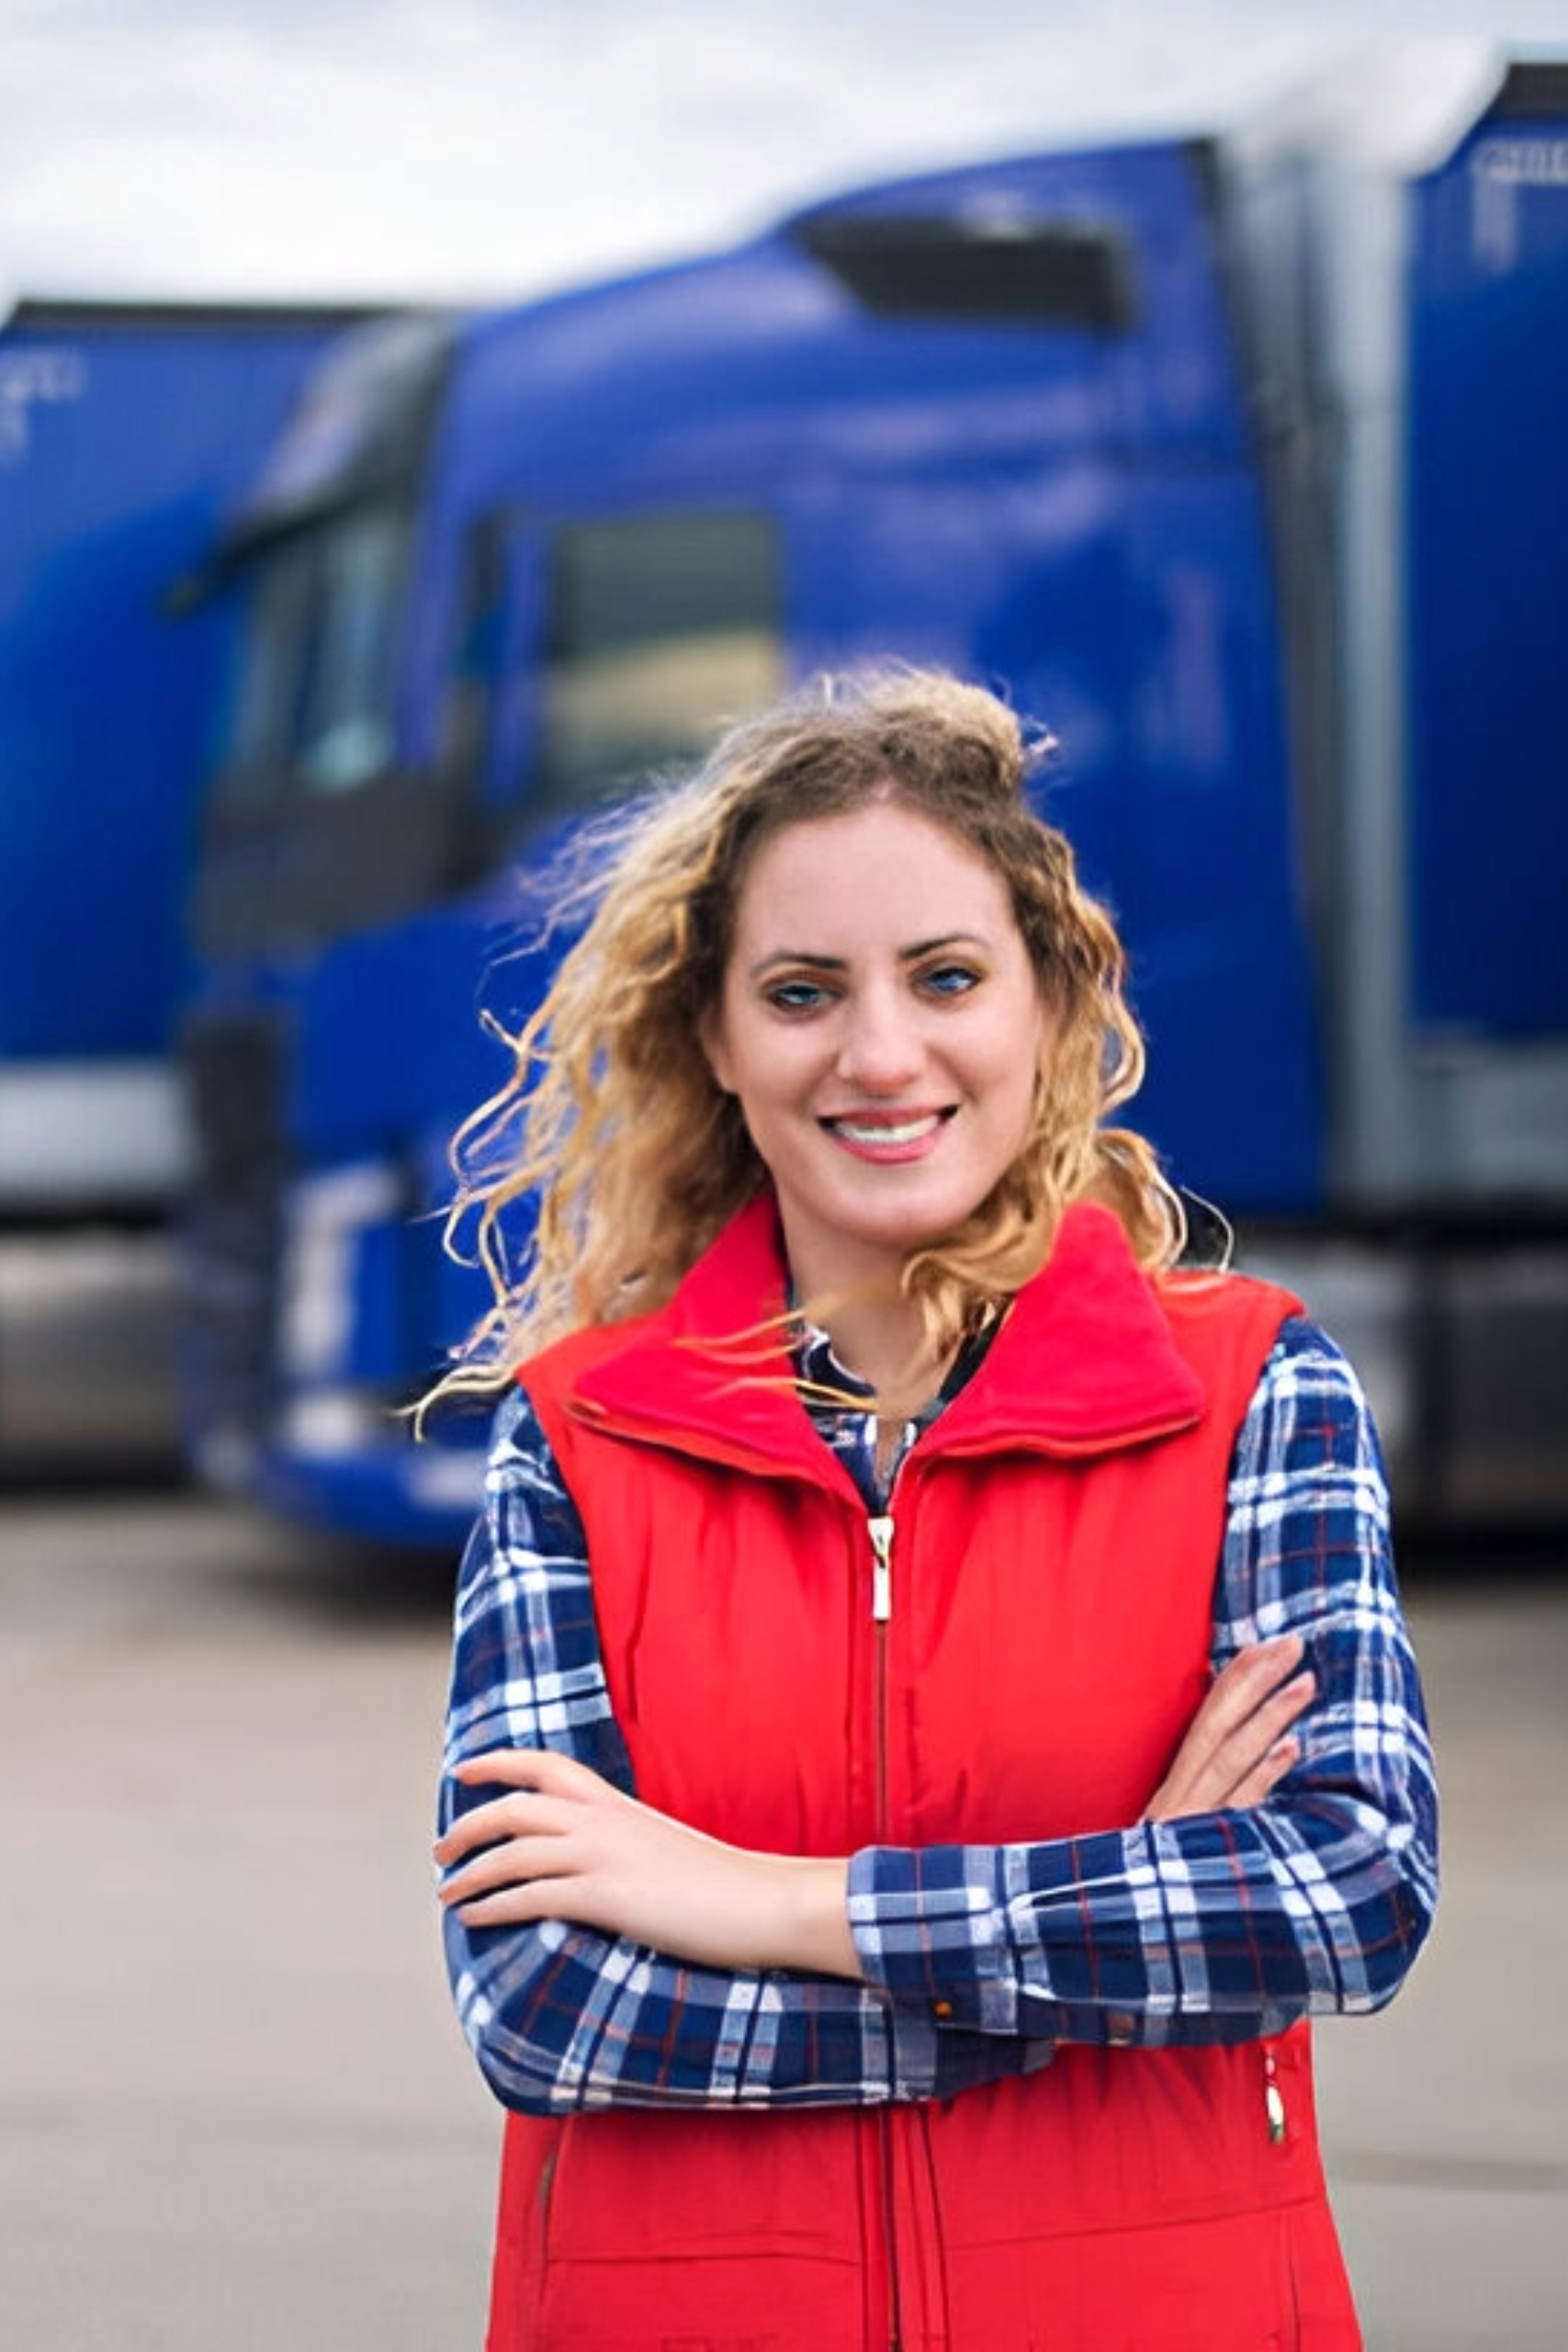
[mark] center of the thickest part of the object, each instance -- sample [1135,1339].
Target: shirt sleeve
[562,2017]
[1228,1926]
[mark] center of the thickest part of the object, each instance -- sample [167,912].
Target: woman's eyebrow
[796,955]
[931,946]
[813,961]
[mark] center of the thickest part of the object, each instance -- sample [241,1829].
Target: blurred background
[416,430]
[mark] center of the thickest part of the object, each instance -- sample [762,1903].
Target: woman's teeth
[885,1131]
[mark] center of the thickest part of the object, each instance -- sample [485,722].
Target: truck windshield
[312,707]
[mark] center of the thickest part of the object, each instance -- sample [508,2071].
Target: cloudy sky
[269,149]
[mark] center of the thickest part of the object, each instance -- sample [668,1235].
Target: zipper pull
[880,1530]
[1273,2100]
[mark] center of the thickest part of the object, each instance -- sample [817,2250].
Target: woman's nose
[881,1049]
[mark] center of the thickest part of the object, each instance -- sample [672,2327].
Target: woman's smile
[888,1135]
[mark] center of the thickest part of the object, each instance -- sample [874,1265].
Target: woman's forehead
[859,868]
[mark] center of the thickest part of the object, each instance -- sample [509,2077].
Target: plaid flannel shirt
[1221,1927]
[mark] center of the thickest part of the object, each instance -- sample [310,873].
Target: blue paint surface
[127,446]
[1488,644]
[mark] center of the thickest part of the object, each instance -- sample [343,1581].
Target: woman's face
[881,1025]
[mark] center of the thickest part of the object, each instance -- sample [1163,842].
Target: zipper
[880,1529]
[879,1526]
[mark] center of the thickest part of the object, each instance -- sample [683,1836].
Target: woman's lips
[887,1135]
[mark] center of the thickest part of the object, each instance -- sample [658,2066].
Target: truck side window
[659,628]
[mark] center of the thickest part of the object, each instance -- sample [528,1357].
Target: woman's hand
[564,1844]
[1240,1743]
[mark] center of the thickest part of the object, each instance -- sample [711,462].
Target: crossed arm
[1286,1862]
[566,1843]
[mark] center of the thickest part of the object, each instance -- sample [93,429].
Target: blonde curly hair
[611,1117]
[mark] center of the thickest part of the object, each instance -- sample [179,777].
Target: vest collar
[1084,1363]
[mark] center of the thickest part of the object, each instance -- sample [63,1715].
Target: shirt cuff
[982,1936]
[928,1929]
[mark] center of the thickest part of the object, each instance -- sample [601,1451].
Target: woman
[833,1799]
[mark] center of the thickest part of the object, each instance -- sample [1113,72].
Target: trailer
[1195,448]
[1401,241]
[126,432]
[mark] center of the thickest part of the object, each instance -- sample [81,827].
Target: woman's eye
[797,996]
[950,980]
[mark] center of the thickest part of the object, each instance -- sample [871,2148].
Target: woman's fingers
[529,1768]
[1265,1778]
[1238,1753]
[523,1815]
[518,1906]
[1227,1758]
[510,1860]
[521,1860]
[1246,1683]
[545,1791]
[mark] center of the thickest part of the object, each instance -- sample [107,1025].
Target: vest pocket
[539,2253]
[1315,2288]
[664,2188]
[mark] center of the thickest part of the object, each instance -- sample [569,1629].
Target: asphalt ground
[235,2110]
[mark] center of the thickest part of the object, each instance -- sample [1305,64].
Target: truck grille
[235,1067]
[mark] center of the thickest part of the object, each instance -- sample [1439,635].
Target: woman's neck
[884,1342]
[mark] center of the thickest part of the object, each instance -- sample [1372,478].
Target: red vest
[1058,1531]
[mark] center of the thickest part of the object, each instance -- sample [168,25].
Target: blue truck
[126,432]
[1235,463]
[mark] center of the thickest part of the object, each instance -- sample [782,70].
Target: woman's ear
[710,1037]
